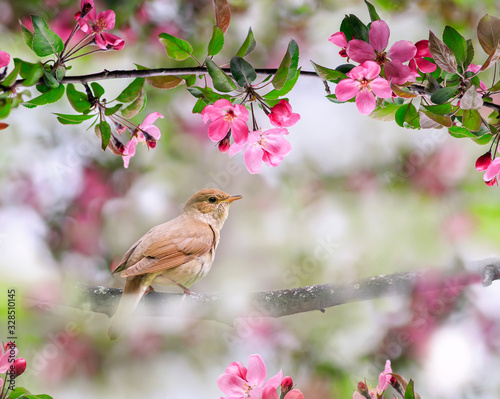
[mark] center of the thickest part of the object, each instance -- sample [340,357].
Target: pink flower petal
[256,374]
[381,88]
[402,51]
[338,39]
[106,20]
[492,170]
[360,51]
[294,394]
[238,369]
[365,101]
[4,59]
[241,112]
[239,130]
[269,393]
[271,160]
[253,160]
[212,113]
[109,41]
[346,89]
[92,13]
[275,381]
[398,73]
[223,103]
[277,145]
[231,384]
[150,119]
[379,35]
[422,49]
[425,65]
[474,68]
[367,70]
[218,129]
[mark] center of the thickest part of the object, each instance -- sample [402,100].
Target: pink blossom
[363,83]
[340,40]
[475,69]
[491,174]
[392,60]
[225,116]
[384,378]
[129,151]
[92,23]
[149,132]
[10,351]
[238,382]
[270,392]
[4,59]
[282,116]
[269,146]
[419,62]
[483,162]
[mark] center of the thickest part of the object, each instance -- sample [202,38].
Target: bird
[178,252]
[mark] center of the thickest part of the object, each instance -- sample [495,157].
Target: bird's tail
[134,290]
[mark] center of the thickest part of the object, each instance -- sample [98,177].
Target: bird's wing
[168,246]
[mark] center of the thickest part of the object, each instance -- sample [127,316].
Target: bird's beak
[233,198]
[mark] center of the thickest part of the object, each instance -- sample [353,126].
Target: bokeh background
[369,197]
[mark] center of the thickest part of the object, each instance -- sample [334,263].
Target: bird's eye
[212,200]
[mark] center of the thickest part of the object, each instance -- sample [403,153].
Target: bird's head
[211,205]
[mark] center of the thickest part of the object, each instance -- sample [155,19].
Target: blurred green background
[376,198]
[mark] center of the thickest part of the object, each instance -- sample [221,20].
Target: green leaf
[471,99]
[407,116]
[471,119]
[353,28]
[207,94]
[27,35]
[198,107]
[189,79]
[443,95]
[442,55]
[68,119]
[105,130]
[470,54]
[49,97]
[112,110]
[288,66]
[409,393]
[488,33]
[97,89]
[443,120]
[385,112]
[371,10]
[49,79]
[220,79]
[460,132]
[328,74]
[5,107]
[456,42]
[273,94]
[178,49]
[345,68]
[242,71]
[12,76]
[135,107]
[45,42]
[17,392]
[216,42]
[442,109]
[78,100]
[132,91]
[60,72]
[31,73]
[165,82]
[484,139]
[248,45]
[222,14]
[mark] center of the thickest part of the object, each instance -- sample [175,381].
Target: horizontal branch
[147,73]
[291,301]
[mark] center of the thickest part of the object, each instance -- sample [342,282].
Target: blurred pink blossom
[491,174]
[4,59]
[270,393]
[384,378]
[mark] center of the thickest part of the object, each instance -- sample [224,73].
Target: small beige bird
[179,252]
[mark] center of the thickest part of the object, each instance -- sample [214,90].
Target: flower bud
[492,182]
[85,9]
[150,140]
[225,143]
[483,162]
[116,146]
[286,384]
[19,366]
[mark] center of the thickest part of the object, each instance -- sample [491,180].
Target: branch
[291,301]
[146,73]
